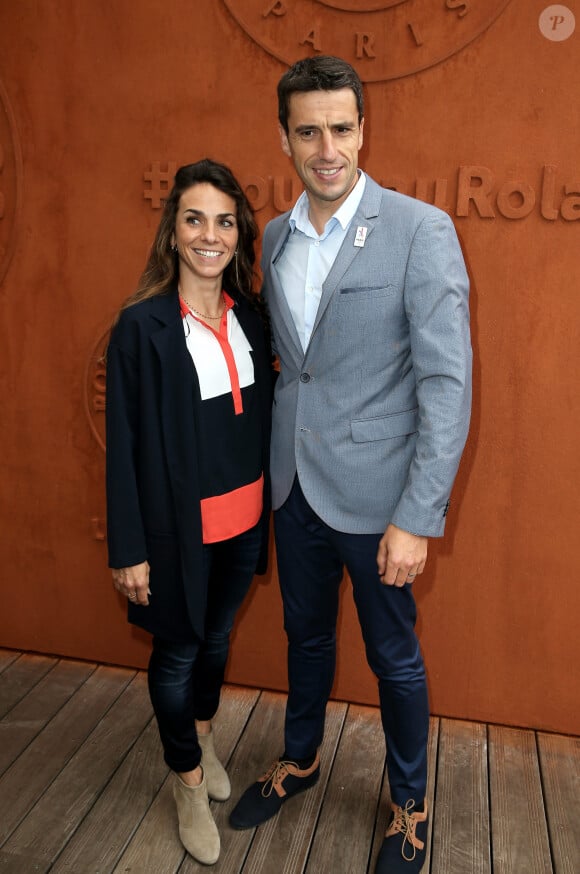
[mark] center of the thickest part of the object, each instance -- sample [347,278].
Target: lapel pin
[361,235]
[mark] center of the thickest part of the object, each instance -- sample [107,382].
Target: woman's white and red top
[229,445]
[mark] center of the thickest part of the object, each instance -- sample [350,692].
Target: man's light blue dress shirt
[307,257]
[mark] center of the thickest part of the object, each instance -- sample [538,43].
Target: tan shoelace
[405,823]
[275,776]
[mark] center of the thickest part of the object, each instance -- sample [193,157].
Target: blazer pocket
[370,290]
[385,427]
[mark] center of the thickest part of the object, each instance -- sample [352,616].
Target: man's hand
[133,582]
[401,556]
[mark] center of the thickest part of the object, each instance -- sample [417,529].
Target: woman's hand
[133,582]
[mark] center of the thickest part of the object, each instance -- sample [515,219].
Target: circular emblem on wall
[10,182]
[383,39]
[95,389]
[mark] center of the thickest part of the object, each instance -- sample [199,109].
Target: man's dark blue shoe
[264,798]
[403,850]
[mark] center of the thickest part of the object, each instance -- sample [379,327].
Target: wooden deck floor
[84,790]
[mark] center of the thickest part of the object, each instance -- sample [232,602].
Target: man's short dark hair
[321,73]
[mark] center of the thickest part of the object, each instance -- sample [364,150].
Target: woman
[189,384]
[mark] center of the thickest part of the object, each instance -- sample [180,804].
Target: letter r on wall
[479,193]
[365,45]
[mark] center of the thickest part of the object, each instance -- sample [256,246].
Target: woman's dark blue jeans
[185,679]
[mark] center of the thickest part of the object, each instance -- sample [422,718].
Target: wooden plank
[560,769]
[236,707]
[460,841]
[46,829]
[106,830]
[344,834]
[19,677]
[283,843]
[155,845]
[518,822]
[432,748]
[7,656]
[27,718]
[35,769]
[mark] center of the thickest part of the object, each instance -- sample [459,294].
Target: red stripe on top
[222,338]
[225,516]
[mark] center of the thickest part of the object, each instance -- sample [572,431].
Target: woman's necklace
[204,315]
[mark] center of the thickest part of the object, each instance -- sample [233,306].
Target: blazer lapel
[178,386]
[365,216]
[276,298]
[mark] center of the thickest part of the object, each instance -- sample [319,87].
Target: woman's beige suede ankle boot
[218,782]
[197,829]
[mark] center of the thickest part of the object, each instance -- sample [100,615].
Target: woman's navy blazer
[153,495]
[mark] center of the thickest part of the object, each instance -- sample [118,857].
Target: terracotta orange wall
[98,99]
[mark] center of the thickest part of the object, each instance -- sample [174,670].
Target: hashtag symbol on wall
[160,182]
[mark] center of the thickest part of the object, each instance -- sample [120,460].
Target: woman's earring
[174,247]
[237,269]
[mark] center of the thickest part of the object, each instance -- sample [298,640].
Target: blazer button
[304,377]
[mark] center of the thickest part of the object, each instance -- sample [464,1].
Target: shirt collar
[344,214]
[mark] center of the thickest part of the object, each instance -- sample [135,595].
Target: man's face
[324,137]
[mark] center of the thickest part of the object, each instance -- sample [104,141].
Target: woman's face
[206,231]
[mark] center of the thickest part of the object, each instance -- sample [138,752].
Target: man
[368,297]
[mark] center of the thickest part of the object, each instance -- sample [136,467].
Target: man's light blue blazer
[374,415]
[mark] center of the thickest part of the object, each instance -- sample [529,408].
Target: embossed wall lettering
[516,198]
[159,179]
[95,389]
[472,190]
[386,40]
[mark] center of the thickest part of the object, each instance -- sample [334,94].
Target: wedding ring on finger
[132,596]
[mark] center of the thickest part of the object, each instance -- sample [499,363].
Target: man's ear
[360,133]
[284,141]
